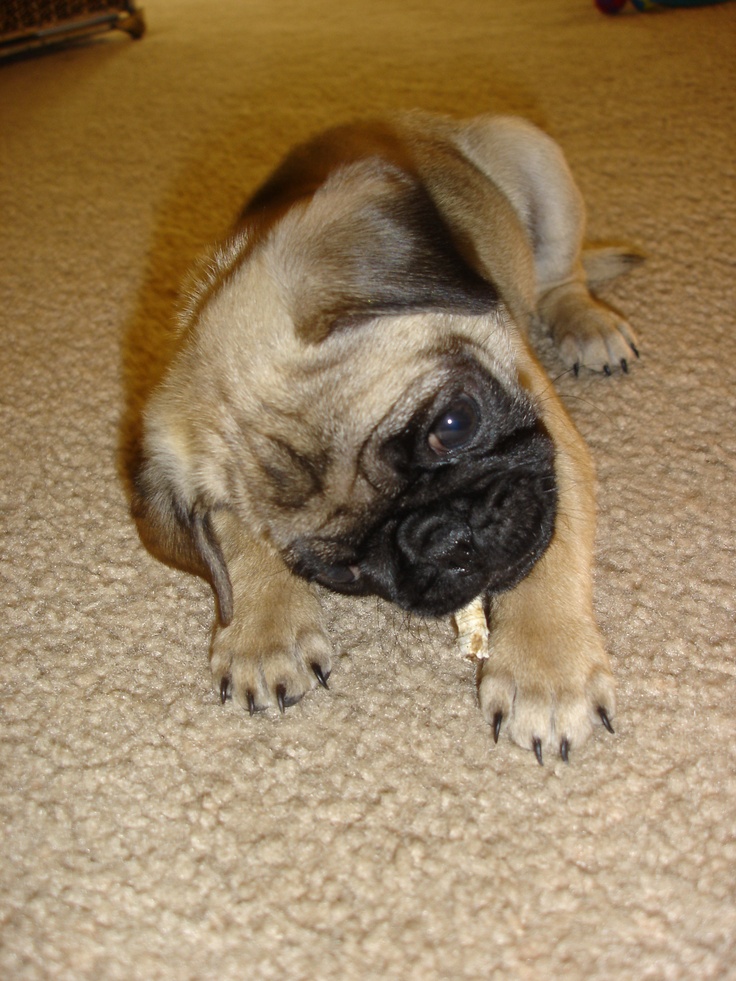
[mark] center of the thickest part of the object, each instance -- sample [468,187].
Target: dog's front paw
[547,688]
[275,649]
[596,338]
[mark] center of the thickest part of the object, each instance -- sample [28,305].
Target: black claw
[576,368]
[565,751]
[537,744]
[281,698]
[605,720]
[225,691]
[319,674]
[607,370]
[633,348]
[497,720]
[251,702]
[624,366]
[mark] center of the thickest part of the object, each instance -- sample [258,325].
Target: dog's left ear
[392,254]
[180,533]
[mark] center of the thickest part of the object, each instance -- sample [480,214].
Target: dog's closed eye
[337,576]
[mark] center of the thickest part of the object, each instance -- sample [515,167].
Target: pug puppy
[354,405]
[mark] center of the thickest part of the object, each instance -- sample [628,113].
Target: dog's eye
[455,427]
[339,575]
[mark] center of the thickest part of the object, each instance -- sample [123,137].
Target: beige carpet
[375,831]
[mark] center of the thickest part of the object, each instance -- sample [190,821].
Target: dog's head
[348,384]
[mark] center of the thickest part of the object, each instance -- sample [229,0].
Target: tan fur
[294,366]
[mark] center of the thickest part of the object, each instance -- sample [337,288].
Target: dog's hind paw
[586,332]
[599,340]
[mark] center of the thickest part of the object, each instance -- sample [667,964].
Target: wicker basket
[32,23]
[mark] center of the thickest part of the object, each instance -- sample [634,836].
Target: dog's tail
[602,263]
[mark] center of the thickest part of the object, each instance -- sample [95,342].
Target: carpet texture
[374,831]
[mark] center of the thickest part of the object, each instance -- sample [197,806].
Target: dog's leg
[586,332]
[275,648]
[531,170]
[547,679]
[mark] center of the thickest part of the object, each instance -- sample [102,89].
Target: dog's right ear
[391,252]
[180,533]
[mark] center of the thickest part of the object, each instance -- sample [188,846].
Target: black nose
[436,538]
[460,557]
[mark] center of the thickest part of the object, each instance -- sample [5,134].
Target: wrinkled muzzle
[471,526]
[483,536]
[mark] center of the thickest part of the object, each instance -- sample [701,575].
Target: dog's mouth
[455,533]
[437,559]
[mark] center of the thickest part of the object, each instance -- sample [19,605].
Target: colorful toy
[614,6]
